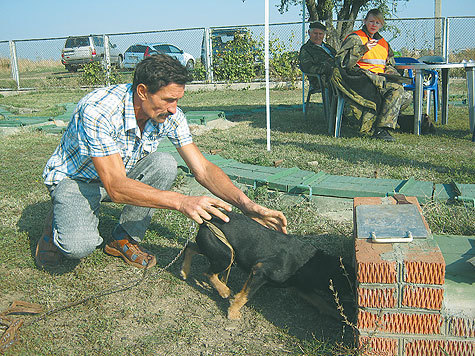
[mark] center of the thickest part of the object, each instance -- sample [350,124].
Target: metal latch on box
[386,240]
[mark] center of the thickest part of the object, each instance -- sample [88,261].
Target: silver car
[135,53]
[80,50]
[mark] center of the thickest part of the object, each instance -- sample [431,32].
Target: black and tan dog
[271,257]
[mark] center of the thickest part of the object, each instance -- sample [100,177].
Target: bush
[95,75]
[199,71]
[243,60]
[238,60]
[283,62]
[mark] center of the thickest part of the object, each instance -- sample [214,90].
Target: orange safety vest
[375,59]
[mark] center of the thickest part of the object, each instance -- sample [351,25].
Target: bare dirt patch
[218,124]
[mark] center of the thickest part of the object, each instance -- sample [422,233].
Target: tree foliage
[346,12]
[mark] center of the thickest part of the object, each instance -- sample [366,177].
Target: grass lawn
[165,315]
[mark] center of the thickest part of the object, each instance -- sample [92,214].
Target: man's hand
[199,208]
[272,219]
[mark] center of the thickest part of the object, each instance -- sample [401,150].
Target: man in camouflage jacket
[316,56]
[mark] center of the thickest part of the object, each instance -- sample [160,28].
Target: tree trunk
[346,16]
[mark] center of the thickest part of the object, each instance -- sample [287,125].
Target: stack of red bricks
[400,291]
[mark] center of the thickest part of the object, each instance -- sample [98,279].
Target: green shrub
[95,74]
[283,62]
[243,60]
[238,60]
[199,71]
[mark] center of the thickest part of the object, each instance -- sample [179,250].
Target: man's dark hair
[318,25]
[158,71]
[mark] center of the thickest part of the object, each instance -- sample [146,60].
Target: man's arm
[122,189]
[350,52]
[217,182]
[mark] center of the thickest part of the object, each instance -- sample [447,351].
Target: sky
[32,19]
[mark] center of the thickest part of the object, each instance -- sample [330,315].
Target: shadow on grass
[376,156]
[313,123]
[32,223]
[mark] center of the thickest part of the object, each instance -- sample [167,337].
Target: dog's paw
[234,314]
[224,292]
[183,275]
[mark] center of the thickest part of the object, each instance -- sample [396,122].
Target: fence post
[208,55]
[107,59]
[14,64]
[446,40]
[437,27]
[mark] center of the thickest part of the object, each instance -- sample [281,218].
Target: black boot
[382,133]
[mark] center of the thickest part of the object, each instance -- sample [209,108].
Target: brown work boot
[47,254]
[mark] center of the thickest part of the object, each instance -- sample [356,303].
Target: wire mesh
[6,80]
[39,60]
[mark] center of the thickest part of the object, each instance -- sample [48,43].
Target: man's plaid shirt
[103,124]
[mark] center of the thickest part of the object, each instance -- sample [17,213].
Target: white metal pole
[266,59]
[14,64]
[107,59]
[209,56]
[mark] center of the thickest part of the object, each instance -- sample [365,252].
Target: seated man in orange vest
[364,69]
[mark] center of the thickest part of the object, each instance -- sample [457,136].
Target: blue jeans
[76,207]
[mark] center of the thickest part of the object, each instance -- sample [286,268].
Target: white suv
[80,50]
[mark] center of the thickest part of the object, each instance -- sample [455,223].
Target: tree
[346,11]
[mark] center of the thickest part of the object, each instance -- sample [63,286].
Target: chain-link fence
[218,54]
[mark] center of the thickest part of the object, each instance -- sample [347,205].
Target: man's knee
[158,169]
[166,161]
[76,246]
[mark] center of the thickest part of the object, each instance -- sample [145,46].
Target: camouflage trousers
[394,99]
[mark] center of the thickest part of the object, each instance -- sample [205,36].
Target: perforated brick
[371,297]
[400,323]
[371,268]
[424,264]
[422,297]
[377,346]
[439,348]
[461,327]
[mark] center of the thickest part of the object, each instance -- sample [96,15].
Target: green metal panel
[69,109]
[4,112]
[444,192]
[465,192]
[414,188]
[280,179]
[350,187]
[305,185]
[52,129]
[34,120]
[218,160]
[10,123]
[166,146]
[292,179]
[246,176]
